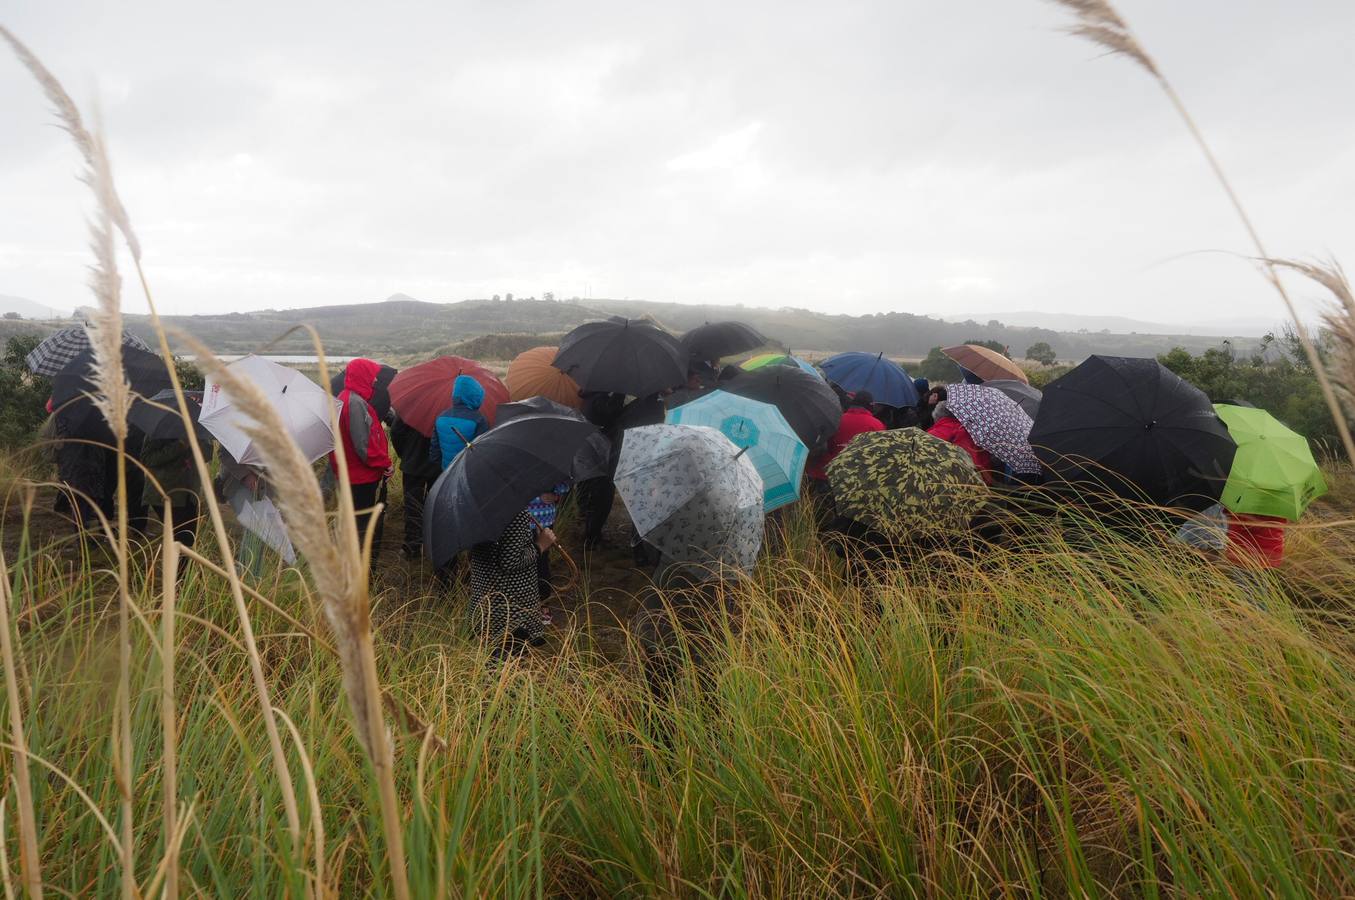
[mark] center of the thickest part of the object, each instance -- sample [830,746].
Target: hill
[401,326]
[1246,327]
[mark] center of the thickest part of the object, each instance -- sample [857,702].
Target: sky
[925,157]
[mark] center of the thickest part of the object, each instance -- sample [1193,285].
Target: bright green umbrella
[1273,473]
[777,359]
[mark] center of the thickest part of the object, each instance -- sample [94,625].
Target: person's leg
[364,499]
[596,496]
[416,490]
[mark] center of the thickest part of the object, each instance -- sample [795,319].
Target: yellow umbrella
[532,375]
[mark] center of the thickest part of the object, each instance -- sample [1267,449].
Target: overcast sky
[934,157]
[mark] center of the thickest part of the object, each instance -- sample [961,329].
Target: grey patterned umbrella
[693,495]
[59,349]
[995,423]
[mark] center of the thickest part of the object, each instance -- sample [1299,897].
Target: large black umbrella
[1134,427]
[144,371]
[806,400]
[622,356]
[494,479]
[381,391]
[715,340]
[159,418]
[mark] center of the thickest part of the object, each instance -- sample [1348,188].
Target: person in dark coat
[596,495]
[418,471]
[505,601]
[926,408]
[170,460]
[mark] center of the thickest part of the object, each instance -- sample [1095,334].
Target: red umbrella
[420,392]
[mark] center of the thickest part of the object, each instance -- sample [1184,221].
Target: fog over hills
[1244,327]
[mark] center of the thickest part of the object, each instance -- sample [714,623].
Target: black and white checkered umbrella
[61,348]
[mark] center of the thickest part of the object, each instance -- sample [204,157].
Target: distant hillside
[402,326]
[28,309]
[1247,327]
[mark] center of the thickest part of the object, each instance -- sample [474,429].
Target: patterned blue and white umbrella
[693,495]
[761,430]
[996,423]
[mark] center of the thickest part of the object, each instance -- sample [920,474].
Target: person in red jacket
[365,448]
[856,419]
[1255,542]
[949,429]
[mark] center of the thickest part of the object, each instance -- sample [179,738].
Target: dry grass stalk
[1100,23]
[340,579]
[69,115]
[1339,318]
[29,862]
[169,574]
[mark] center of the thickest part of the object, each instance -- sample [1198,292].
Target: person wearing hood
[460,423]
[949,429]
[365,448]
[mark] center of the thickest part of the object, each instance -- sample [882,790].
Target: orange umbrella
[987,365]
[531,374]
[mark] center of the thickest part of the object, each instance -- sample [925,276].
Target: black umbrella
[714,340]
[1026,397]
[159,418]
[806,400]
[144,371]
[381,393]
[1136,428]
[533,406]
[622,356]
[494,479]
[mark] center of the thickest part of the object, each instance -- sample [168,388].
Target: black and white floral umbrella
[996,423]
[692,494]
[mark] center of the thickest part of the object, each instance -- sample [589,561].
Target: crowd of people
[508,579]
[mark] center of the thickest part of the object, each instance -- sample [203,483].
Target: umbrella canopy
[381,394]
[60,348]
[1136,428]
[906,483]
[260,516]
[807,402]
[622,356]
[693,495]
[159,417]
[760,429]
[302,404]
[494,479]
[715,340]
[885,379]
[985,364]
[531,374]
[144,371]
[1274,472]
[420,393]
[762,360]
[996,424]
[1026,396]
[534,406]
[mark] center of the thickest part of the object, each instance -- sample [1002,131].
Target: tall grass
[1103,715]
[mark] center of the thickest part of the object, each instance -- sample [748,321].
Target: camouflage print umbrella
[996,423]
[906,483]
[693,495]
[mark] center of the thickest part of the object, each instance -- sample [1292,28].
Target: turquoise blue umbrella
[761,430]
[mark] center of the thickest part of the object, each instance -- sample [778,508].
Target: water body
[288,359]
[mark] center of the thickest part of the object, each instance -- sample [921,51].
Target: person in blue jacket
[460,424]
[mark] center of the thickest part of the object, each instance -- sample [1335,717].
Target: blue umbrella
[760,430]
[885,379]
